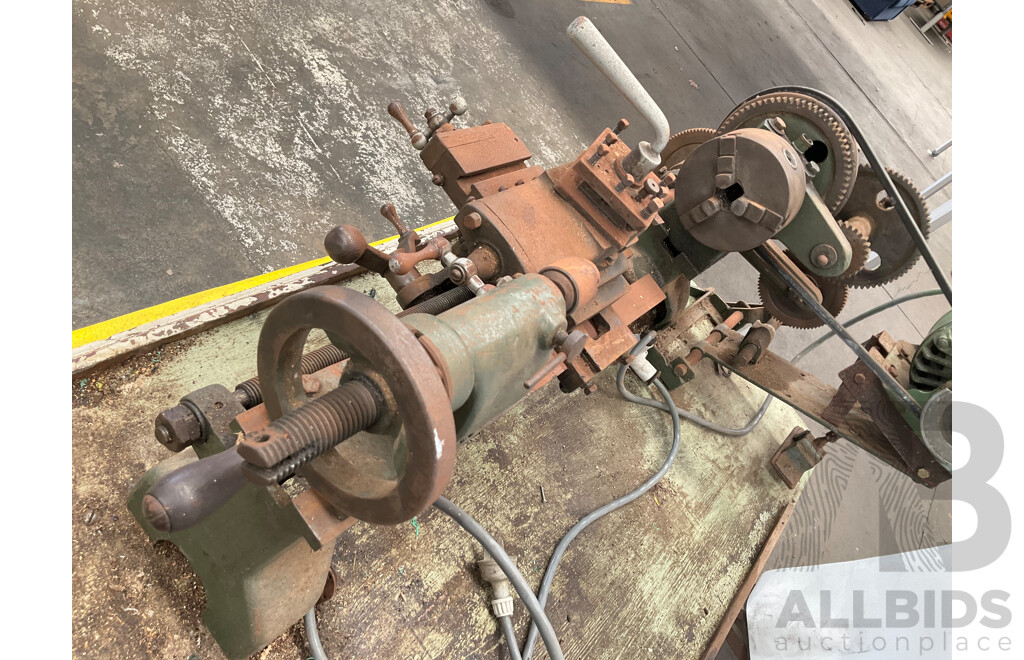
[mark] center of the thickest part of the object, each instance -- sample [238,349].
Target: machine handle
[188,495]
[346,245]
[419,140]
[403,262]
[588,39]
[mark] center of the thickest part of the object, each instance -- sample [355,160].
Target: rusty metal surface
[838,163]
[684,143]
[599,190]
[461,158]
[356,479]
[877,219]
[809,395]
[529,227]
[797,455]
[860,384]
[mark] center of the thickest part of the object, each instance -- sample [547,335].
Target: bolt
[472,221]
[601,151]
[654,206]
[668,181]
[621,126]
[680,371]
[777,125]
[824,255]
[590,388]
[923,473]
[859,379]
[437,179]
[458,106]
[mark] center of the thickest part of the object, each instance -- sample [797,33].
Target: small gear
[682,144]
[833,147]
[871,212]
[860,247]
[790,310]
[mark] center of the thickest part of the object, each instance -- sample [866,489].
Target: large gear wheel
[871,212]
[860,248]
[832,145]
[787,307]
[683,144]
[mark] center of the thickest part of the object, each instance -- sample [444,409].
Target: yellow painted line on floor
[110,327]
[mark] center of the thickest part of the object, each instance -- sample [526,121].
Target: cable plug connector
[502,603]
[641,366]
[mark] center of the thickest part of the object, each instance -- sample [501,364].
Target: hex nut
[178,428]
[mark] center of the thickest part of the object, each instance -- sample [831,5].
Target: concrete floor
[217,140]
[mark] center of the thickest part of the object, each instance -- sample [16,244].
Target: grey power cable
[556,556]
[510,637]
[689,416]
[540,619]
[866,315]
[313,636]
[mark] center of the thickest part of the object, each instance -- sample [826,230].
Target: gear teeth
[834,296]
[918,207]
[682,139]
[860,246]
[841,141]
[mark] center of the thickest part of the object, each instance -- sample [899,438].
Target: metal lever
[396,110]
[568,346]
[402,262]
[647,155]
[407,239]
[435,120]
[346,245]
[194,491]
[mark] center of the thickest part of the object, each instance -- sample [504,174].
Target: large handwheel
[398,467]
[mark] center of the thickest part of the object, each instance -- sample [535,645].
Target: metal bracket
[800,452]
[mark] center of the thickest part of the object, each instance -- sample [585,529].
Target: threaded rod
[316,426]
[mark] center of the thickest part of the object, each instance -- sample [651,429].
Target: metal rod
[588,39]
[888,381]
[942,215]
[939,184]
[883,176]
[938,150]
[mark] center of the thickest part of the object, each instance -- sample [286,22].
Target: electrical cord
[540,619]
[585,521]
[866,315]
[510,637]
[689,416]
[313,636]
